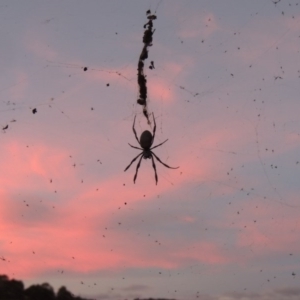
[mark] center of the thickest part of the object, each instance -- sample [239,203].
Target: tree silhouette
[11,289]
[14,290]
[64,294]
[38,292]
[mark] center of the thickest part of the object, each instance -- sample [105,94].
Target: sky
[224,92]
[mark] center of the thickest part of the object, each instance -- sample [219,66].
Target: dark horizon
[13,289]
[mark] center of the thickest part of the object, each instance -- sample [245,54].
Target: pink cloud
[206,166]
[159,90]
[71,229]
[19,89]
[201,27]
[41,161]
[76,228]
[40,48]
[204,252]
[268,230]
[261,43]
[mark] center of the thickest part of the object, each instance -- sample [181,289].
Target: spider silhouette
[146,141]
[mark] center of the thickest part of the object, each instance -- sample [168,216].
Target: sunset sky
[224,92]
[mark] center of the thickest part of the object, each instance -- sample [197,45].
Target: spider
[146,141]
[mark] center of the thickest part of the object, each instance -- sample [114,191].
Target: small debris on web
[141,77]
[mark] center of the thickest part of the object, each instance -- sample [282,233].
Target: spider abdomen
[146,139]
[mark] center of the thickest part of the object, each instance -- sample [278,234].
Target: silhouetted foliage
[14,290]
[64,294]
[37,292]
[11,289]
[153,299]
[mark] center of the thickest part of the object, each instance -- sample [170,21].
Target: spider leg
[137,168]
[154,167]
[133,161]
[135,131]
[158,145]
[154,129]
[135,147]
[162,162]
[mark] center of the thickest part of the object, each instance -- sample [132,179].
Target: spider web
[224,92]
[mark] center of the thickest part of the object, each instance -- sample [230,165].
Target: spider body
[146,142]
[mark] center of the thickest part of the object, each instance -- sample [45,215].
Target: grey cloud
[284,293]
[136,287]
[288,291]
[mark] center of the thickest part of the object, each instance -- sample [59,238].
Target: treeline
[14,290]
